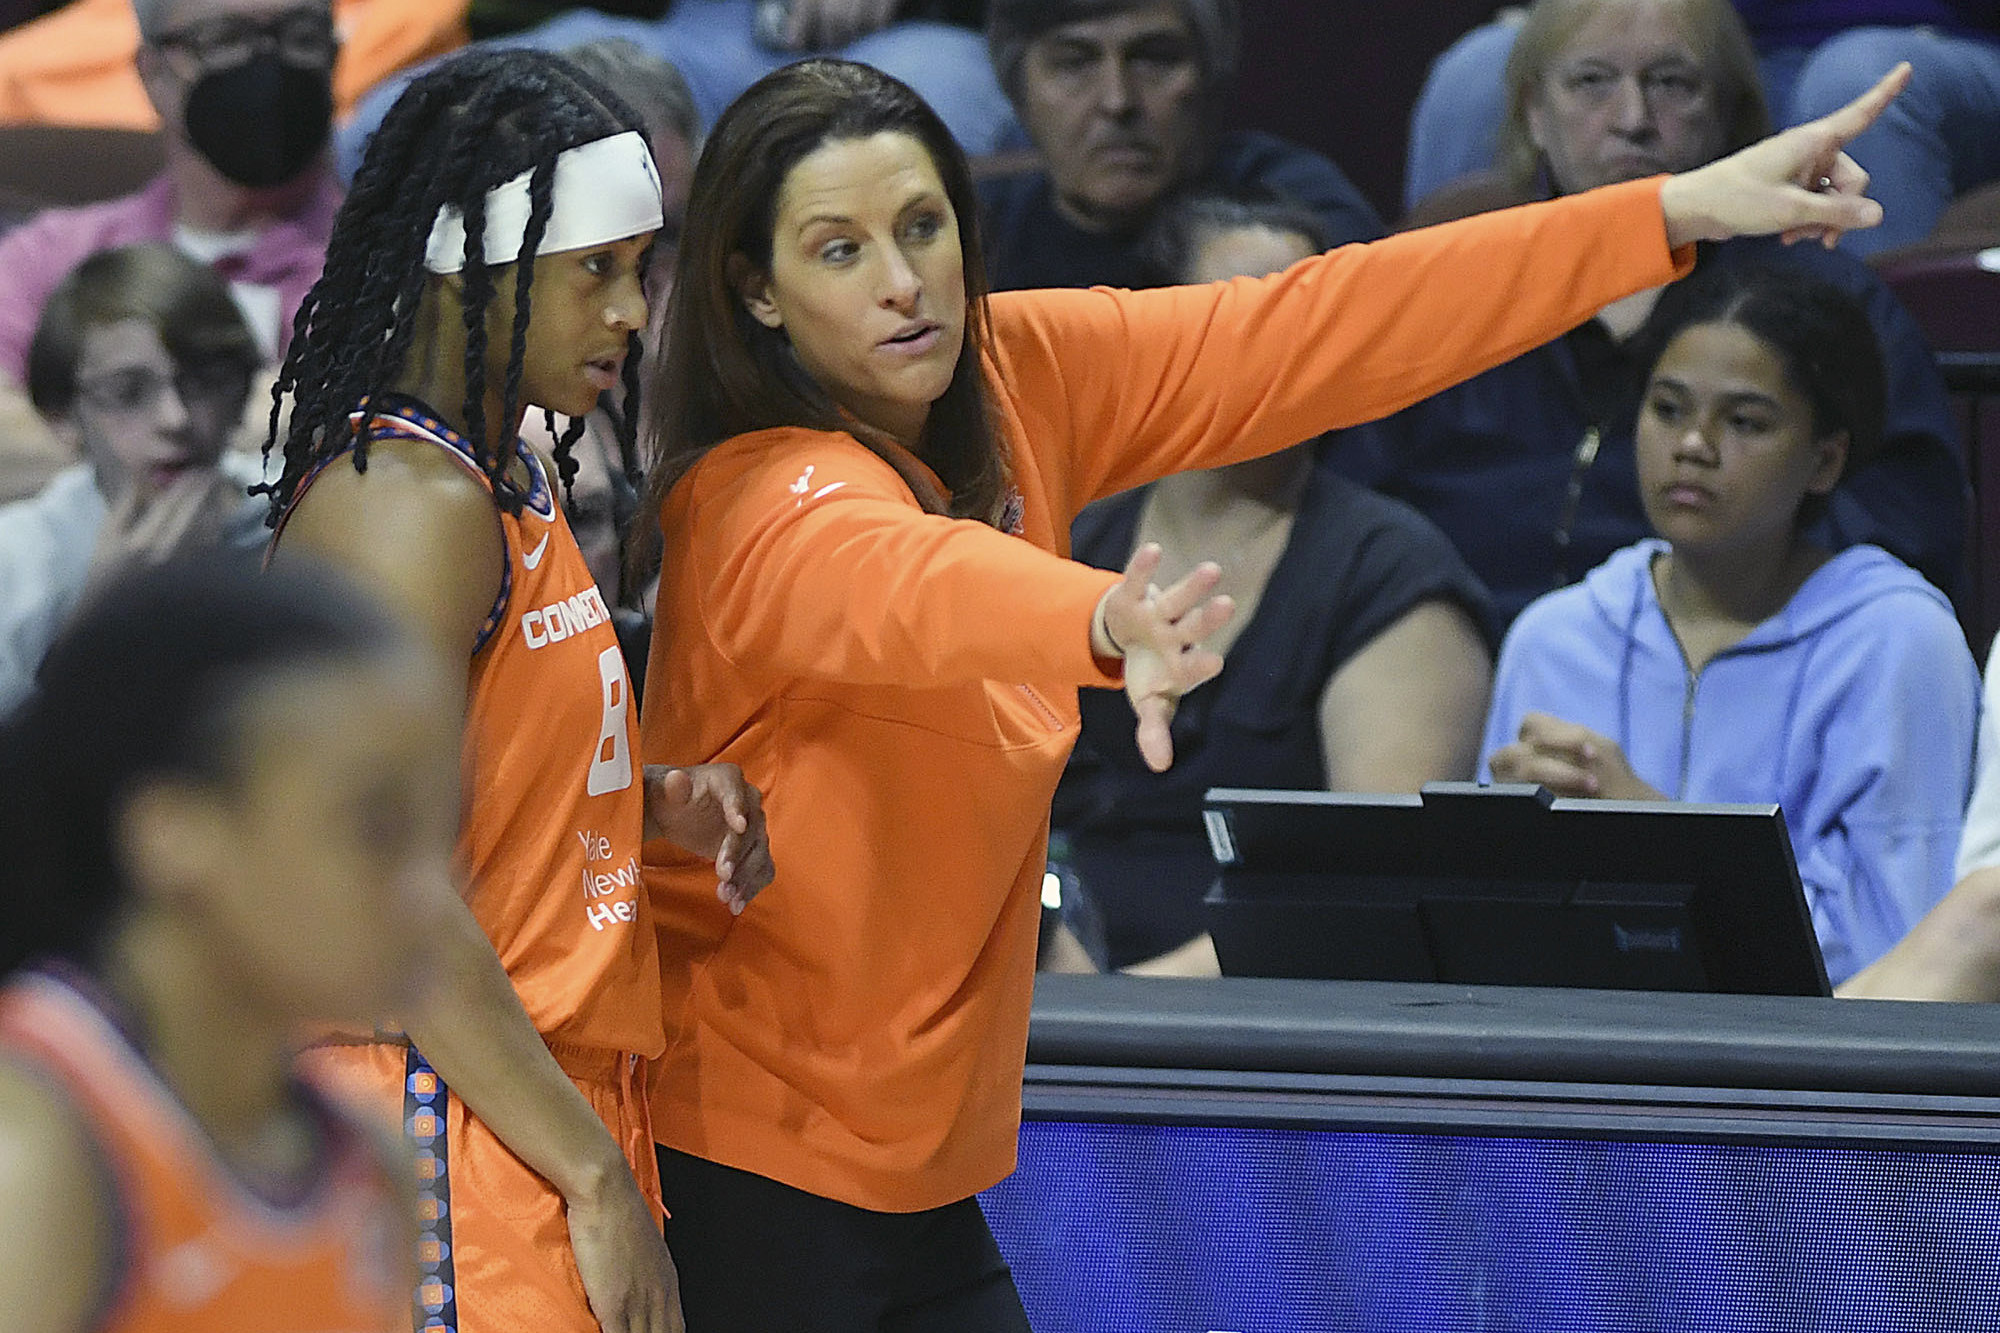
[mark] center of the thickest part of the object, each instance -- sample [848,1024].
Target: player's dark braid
[355,327]
[475,122]
[628,418]
[539,188]
[566,438]
[477,295]
[624,419]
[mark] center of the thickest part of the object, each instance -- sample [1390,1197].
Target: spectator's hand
[621,1256]
[1570,761]
[712,811]
[1798,183]
[145,526]
[817,25]
[1159,634]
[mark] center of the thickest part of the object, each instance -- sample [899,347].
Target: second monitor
[1507,885]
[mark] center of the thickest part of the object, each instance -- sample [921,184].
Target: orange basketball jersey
[200,1253]
[554,803]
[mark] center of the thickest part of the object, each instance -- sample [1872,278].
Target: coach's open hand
[1159,634]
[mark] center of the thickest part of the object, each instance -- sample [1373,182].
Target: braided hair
[475,122]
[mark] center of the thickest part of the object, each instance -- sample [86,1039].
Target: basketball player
[228,812]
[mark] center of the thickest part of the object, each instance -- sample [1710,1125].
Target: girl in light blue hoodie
[1733,660]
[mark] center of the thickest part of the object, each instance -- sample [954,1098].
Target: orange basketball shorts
[493,1242]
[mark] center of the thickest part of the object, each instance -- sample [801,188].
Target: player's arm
[424,534]
[58,1228]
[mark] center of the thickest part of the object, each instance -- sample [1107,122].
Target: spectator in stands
[1122,98]
[1942,139]
[244,92]
[74,65]
[1354,662]
[30,454]
[722,47]
[1979,849]
[1735,658]
[1954,952]
[1529,468]
[142,364]
[1944,142]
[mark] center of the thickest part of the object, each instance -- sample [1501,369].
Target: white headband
[605,190]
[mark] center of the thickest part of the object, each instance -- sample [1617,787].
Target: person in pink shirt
[244,93]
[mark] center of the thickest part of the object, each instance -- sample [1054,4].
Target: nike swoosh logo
[534,557]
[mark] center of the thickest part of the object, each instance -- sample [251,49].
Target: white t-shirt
[1979,845]
[261,305]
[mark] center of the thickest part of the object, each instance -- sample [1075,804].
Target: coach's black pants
[756,1256]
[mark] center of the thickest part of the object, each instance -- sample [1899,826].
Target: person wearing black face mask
[244,93]
[261,102]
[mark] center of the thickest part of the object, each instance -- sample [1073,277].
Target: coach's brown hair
[722,373]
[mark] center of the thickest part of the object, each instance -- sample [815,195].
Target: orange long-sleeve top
[902,686]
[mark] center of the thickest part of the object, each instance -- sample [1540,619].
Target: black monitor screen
[1508,886]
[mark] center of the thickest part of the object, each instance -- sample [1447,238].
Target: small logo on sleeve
[802,488]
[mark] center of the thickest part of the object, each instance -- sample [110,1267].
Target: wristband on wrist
[1101,625]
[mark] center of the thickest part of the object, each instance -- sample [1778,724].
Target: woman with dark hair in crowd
[1734,658]
[866,471]
[228,813]
[1356,660]
[487,259]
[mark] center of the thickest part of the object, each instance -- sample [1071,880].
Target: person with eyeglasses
[141,364]
[1530,468]
[244,92]
[73,65]
[1810,56]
